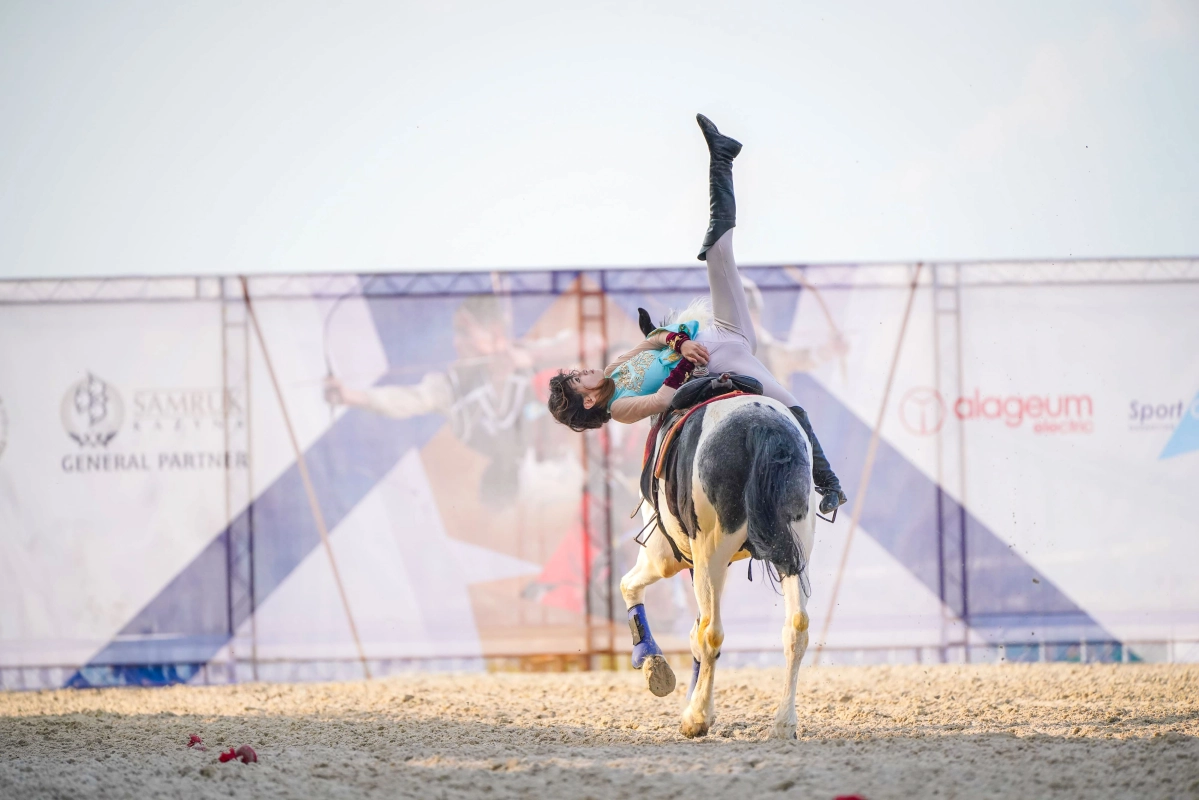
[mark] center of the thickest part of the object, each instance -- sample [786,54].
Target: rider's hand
[695,352]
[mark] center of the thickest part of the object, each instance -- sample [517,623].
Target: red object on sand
[244,752]
[849,797]
[196,742]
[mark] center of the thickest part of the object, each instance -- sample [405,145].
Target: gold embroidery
[631,374]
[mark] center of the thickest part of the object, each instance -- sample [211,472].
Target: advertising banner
[325,476]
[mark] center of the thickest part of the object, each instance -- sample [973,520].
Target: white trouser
[731,340]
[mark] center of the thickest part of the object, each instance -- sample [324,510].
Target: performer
[643,381]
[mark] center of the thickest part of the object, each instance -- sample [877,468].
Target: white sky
[220,137]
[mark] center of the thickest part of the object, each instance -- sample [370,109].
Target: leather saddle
[657,462]
[702,389]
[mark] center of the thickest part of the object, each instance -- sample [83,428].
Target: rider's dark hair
[566,404]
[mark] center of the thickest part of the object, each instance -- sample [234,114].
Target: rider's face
[587,382]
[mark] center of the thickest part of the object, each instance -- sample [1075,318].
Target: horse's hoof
[694,729]
[658,676]
[784,731]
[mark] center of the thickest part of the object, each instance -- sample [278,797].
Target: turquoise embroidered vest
[645,372]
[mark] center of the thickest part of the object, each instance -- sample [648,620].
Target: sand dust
[904,732]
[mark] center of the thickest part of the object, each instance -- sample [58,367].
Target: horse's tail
[776,495]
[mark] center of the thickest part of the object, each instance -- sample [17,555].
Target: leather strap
[668,439]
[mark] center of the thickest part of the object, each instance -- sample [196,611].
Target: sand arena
[882,732]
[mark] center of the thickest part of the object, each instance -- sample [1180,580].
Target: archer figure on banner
[494,400]
[486,395]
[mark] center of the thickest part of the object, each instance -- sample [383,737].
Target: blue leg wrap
[694,677]
[644,645]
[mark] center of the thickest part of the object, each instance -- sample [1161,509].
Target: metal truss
[639,280]
[1039,273]
[108,290]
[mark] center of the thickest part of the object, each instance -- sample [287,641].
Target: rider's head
[579,399]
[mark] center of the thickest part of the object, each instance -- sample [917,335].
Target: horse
[740,486]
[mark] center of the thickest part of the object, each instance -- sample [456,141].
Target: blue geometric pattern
[1185,438]
[188,621]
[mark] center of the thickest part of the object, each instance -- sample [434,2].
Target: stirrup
[832,519]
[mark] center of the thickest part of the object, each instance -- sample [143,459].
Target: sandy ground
[991,731]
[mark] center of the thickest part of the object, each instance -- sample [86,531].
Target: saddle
[660,460]
[702,389]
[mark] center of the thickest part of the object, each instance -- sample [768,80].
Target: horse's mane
[698,310]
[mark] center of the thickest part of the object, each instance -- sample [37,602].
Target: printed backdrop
[1031,494]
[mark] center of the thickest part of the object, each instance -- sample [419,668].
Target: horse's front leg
[655,561]
[712,551]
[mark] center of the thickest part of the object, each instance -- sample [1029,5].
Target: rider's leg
[729,306]
[822,472]
[721,152]
[730,309]
[644,322]
[735,358]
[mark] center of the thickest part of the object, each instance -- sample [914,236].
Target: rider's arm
[632,409]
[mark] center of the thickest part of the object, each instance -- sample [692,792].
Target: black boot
[721,151]
[644,322]
[822,472]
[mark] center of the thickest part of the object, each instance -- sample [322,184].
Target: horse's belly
[681,540]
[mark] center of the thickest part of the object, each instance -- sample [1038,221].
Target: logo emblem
[92,412]
[1186,435]
[922,411]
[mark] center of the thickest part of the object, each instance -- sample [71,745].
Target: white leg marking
[712,549]
[655,561]
[795,632]
[795,642]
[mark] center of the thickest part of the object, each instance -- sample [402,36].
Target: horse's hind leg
[655,561]
[795,643]
[712,551]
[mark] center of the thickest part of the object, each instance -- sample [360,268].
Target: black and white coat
[742,477]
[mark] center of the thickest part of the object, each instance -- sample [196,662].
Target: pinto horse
[740,485]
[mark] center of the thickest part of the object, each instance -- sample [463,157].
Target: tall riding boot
[721,152]
[644,322]
[822,472]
